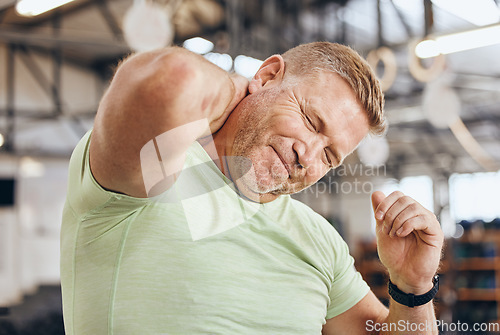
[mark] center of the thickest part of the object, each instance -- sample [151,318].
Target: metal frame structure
[256,28]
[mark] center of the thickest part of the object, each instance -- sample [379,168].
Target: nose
[306,153]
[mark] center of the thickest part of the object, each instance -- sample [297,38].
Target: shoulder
[310,218]
[311,229]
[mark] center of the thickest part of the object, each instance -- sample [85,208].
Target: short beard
[244,169]
[242,164]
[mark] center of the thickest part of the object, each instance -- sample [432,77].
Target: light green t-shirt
[198,260]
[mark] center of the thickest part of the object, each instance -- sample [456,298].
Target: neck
[218,148]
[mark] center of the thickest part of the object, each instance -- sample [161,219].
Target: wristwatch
[411,300]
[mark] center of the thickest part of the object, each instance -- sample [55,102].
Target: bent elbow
[172,73]
[157,76]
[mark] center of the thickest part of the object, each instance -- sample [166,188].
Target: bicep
[354,320]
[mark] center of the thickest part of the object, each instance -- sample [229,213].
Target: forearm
[406,320]
[409,244]
[158,102]
[419,319]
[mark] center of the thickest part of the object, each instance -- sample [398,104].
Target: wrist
[413,300]
[420,288]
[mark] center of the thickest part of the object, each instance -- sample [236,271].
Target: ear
[273,69]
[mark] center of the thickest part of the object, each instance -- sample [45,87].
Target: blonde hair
[320,56]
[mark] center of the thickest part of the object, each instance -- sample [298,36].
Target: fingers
[398,204]
[240,85]
[377,198]
[413,223]
[386,203]
[399,215]
[406,221]
[239,90]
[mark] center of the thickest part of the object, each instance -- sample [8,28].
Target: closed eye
[309,122]
[333,160]
[328,159]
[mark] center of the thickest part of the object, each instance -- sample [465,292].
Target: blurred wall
[29,231]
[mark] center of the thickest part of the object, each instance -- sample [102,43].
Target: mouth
[285,164]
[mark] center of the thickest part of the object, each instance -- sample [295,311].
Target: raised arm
[409,244]
[170,92]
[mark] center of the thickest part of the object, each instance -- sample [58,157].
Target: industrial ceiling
[79,44]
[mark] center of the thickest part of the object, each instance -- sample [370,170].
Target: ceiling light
[223,61]
[198,45]
[446,44]
[374,151]
[478,12]
[37,7]
[246,66]
[147,26]
[31,168]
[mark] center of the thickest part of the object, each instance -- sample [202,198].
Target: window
[419,188]
[475,196]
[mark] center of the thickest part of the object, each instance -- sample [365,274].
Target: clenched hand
[409,241]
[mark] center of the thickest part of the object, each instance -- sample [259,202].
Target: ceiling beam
[10,112]
[10,35]
[402,19]
[110,19]
[428,17]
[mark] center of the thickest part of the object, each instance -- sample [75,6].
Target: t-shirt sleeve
[84,194]
[348,287]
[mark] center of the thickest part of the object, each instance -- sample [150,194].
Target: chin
[291,188]
[257,191]
[245,192]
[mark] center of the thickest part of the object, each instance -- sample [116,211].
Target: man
[178,218]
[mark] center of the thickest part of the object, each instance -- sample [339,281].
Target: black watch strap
[412,300]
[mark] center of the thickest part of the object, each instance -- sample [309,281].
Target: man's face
[293,132]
